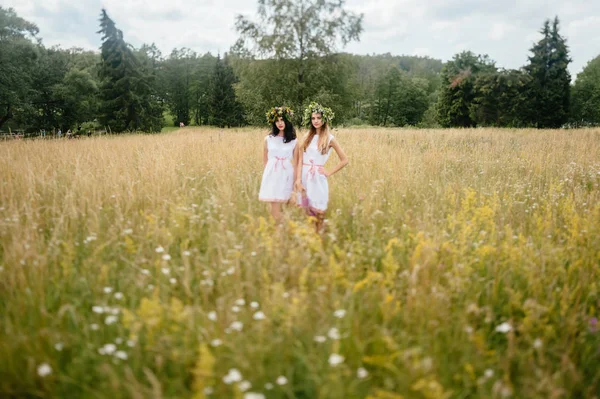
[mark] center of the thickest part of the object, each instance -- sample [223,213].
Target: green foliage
[586,94]
[127,91]
[549,88]
[458,92]
[225,110]
[297,31]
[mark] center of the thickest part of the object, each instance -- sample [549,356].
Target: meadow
[455,264]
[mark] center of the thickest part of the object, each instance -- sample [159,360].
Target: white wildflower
[253,395]
[59,346]
[165,270]
[216,342]
[504,328]
[244,385]
[212,315]
[259,316]
[281,380]
[173,280]
[166,257]
[121,355]
[98,309]
[107,290]
[159,250]
[110,320]
[94,327]
[186,253]
[233,375]
[268,386]
[335,359]
[118,295]
[489,373]
[44,370]
[333,333]
[340,313]
[254,305]
[235,309]
[237,325]
[537,344]
[240,302]
[362,372]
[320,338]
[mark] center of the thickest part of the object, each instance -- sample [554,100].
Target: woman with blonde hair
[314,153]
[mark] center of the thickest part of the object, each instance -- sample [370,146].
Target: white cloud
[504,29]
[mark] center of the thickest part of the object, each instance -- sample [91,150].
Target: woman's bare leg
[276,211]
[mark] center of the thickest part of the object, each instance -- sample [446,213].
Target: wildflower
[97,309]
[108,349]
[240,302]
[361,373]
[110,320]
[244,386]
[235,309]
[319,338]
[230,271]
[489,373]
[233,375]
[216,342]
[208,391]
[165,270]
[173,280]
[118,295]
[186,253]
[268,386]
[145,271]
[504,328]
[166,257]
[340,313]
[259,316]
[469,330]
[44,370]
[335,359]
[253,253]
[281,380]
[119,341]
[253,395]
[159,250]
[593,324]
[237,325]
[212,315]
[254,305]
[333,333]
[121,355]
[537,344]
[59,346]
[286,295]
[107,290]
[94,327]
[127,231]
[130,343]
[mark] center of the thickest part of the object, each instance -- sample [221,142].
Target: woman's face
[317,119]
[280,123]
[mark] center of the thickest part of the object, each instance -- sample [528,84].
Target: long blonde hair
[323,142]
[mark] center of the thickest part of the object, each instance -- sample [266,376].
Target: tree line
[291,59]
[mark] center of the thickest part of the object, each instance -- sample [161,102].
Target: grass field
[456,264]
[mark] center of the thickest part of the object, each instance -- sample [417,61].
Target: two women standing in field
[285,157]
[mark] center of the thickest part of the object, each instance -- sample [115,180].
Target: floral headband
[276,112]
[326,113]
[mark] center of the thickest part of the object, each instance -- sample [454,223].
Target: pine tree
[549,90]
[128,99]
[225,110]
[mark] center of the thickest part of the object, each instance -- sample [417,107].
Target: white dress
[317,188]
[278,177]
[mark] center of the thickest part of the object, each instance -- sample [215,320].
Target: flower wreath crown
[276,112]
[327,113]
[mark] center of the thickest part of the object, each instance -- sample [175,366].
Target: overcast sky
[503,29]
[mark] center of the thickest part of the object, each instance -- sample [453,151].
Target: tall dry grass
[456,263]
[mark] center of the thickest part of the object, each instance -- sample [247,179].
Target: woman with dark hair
[280,158]
[315,149]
